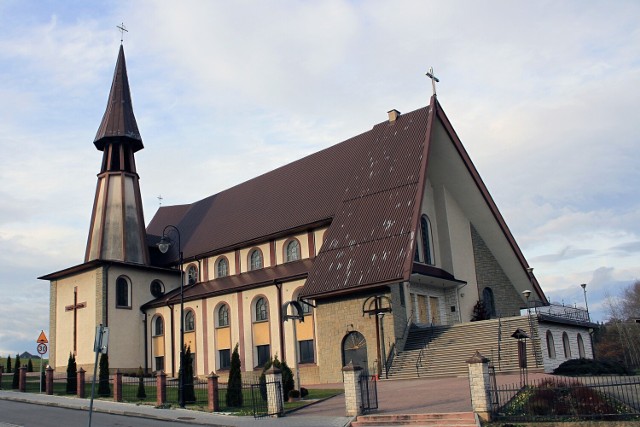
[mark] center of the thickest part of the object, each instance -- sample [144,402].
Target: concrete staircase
[453,419]
[442,351]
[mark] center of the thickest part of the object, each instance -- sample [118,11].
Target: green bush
[287,376]
[234,387]
[141,394]
[581,367]
[16,374]
[72,375]
[103,376]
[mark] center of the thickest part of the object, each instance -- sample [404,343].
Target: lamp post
[527,294]
[584,289]
[164,245]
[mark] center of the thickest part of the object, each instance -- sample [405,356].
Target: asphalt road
[13,414]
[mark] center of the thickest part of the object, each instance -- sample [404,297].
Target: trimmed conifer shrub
[16,374]
[234,387]
[8,365]
[103,376]
[187,385]
[287,376]
[72,375]
[141,394]
[29,366]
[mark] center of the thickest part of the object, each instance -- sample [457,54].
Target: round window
[157,288]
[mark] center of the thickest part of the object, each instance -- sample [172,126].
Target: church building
[330,259]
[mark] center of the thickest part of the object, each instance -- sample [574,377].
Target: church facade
[323,261]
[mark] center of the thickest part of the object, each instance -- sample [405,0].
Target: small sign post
[100,345]
[42,350]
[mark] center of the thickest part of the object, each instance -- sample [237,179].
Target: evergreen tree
[187,383]
[287,376]
[141,392]
[43,382]
[234,386]
[16,374]
[29,366]
[9,365]
[103,376]
[480,312]
[72,375]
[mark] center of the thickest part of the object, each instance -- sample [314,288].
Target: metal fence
[565,398]
[138,389]
[368,392]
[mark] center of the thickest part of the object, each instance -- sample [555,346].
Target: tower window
[122,293]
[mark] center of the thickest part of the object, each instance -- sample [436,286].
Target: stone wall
[508,301]
[335,319]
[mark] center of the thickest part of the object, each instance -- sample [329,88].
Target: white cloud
[542,95]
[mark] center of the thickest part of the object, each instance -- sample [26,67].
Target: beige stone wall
[61,335]
[335,318]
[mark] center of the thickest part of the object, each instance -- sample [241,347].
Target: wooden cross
[122,29]
[434,80]
[75,307]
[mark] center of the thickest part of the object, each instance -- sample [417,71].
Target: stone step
[453,419]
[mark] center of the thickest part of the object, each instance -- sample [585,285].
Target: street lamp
[163,246]
[584,289]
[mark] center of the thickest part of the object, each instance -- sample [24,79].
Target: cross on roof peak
[434,80]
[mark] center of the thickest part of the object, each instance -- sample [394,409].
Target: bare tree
[624,313]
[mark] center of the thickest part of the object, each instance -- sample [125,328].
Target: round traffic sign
[42,348]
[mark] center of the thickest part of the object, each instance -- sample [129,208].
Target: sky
[544,95]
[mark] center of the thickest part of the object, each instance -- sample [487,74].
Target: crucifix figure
[75,307]
[122,29]
[434,80]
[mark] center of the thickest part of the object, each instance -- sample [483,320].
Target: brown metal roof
[371,236]
[229,284]
[119,121]
[305,193]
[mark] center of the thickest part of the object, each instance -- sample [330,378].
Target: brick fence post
[80,388]
[161,388]
[212,389]
[117,386]
[273,376]
[480,384]
[352,393]
[22,379]
[49,380]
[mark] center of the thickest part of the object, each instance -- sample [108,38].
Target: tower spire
[117,223]
[119,122]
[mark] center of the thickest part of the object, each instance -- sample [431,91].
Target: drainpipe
[280,325]
[146,343]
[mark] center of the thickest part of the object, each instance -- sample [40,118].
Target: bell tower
[117,229]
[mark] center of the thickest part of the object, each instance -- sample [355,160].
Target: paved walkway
[417,396]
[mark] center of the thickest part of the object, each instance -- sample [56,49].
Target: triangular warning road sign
[42,339]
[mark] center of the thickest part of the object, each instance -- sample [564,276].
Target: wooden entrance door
[423,317]
[434,308]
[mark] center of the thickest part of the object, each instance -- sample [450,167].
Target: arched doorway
[354,349]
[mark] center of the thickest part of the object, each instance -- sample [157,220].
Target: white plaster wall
[557,330]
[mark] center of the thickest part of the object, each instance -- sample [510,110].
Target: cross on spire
[434,80]
[122,29]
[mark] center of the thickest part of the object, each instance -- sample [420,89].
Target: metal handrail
[405,332]
[389,360]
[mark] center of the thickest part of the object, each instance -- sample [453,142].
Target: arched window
[223,316]
[292,251]
[158,326]
[565,344]
[192,274]
[189,321]
[581,352]
[156,288]
[222,267]
[551,346]
[427,243]
[255,260]
[489,301]
[122,293]
[261,312]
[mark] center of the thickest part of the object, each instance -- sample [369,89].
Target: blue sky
[544,96]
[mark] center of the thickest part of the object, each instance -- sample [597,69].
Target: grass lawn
[34,362]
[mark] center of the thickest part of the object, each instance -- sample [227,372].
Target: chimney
[393,115]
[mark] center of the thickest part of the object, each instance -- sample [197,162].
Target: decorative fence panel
[369,392]
[138,389]
[564,398]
